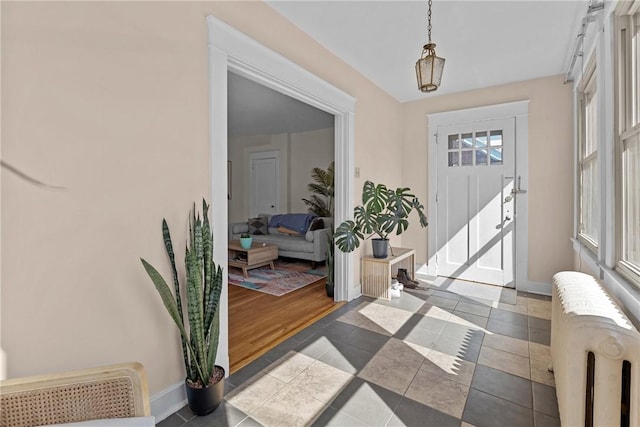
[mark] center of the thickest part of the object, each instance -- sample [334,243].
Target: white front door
[264,183]
[475,178]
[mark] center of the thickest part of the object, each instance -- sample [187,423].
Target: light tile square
[503,361]
[389,374]
[291,406]
[506,343]
[439,393]
[289,366]
[449,367]
[255,392]
[321,381]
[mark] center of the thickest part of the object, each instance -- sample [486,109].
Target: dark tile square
[224,415]
[479,321]
[445,294]
[485,410]
[280,350]
[408,326]
[474,308]
[509,317]
[446,303]
[545,400]
[412,413]
[187,414]
[542,420]
[367,402]
[508,296]
[337,331]
[249,422]
[468,334]
[367,340]
[239,377]
[536,322]
[509,329]
[503,385]
[540,336]
[331,417]
[459,347]
[172,420]
[346,357]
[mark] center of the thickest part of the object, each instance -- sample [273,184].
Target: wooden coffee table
[258,255]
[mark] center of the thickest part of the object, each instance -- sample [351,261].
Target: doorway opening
[232,51]
[274,144]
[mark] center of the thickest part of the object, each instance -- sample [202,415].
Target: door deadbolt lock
[508,199]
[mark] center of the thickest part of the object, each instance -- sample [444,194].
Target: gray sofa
[312,246]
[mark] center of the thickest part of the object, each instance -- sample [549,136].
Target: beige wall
[307,150]
[109,100]
[550,159]
[299,153]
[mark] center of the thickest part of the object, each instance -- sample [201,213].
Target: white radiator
[585,320]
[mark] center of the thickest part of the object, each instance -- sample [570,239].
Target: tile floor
[452,354]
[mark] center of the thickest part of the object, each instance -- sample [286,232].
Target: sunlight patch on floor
[388,318]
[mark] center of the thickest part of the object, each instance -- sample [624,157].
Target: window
[589,188]
[475,149]
[628,142]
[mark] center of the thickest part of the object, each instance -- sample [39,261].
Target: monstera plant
[383,211]
[202,286]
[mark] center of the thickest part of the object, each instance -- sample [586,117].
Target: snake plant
[203,284]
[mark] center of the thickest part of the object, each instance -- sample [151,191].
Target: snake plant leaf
[348,236]
[195,310]
[167,299]
[214,335]
[166,235]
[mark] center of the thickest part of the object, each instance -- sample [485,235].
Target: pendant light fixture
[429,67]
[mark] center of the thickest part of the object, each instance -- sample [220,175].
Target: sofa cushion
[258,225]
[286,243]
[285,230]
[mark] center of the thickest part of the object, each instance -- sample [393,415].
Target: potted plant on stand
[202,286]
[382,212]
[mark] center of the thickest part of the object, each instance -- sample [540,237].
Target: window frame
[588,90]
[627,122]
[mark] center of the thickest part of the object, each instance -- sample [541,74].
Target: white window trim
[589,80]
[603,263]
[625,130]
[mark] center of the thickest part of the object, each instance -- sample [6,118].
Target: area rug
[287,277]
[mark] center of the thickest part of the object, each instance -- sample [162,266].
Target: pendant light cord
[429,21]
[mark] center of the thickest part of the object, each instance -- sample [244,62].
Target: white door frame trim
[518,110]
[231,50]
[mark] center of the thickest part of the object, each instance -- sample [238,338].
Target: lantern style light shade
[429,69]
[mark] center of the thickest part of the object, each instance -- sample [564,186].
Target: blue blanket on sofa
[296,222]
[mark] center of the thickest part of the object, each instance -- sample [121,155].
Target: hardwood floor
[258,321]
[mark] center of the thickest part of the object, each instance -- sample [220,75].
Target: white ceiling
[485,43]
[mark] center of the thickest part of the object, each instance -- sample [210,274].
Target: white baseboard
[540,288]
[168,401]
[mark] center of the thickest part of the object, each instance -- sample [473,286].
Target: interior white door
[263,184]
[475,203]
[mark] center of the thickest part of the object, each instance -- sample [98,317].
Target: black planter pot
[205,400]
[329,289]
[379,247]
